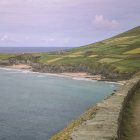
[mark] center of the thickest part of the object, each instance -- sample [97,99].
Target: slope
[119,55]
[115,58]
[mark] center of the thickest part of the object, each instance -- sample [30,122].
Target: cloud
[77,22]
[7,39]
[3,38]
[101,22]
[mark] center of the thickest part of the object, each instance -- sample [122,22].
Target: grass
[134,51]
[53,60]
[134,32]
[73,55]
[122,53]
[109,60]
[119,54]
[93,56]
[129,65]
[6,56]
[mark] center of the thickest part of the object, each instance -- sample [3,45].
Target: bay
[35,106]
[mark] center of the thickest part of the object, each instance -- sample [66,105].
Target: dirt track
[131,130]
[136,119]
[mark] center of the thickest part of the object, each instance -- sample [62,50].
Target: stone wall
[106,123]
[103,121]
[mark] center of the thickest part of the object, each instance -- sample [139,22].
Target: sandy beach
[82,75]
[20,66]
[69,74]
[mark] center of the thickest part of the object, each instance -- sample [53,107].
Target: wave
[83,79]
[12,70]
[26,71]
[44,74]
[114,83]
[40,76]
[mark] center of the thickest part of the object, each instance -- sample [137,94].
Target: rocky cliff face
[4,62]
[24,59]
[20,59]
[100,70]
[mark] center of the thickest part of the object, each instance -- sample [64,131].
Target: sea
[32,49]
[35,106]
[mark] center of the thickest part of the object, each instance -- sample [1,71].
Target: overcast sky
[64,22]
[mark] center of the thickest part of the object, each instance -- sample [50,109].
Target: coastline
[102,121]
[20,66]
[89,114]
[74,75]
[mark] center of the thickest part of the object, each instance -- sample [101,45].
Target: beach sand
[20,66]
[82,75]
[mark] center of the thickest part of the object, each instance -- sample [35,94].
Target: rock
[4,62]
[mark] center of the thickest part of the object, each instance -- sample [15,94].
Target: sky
[64,23]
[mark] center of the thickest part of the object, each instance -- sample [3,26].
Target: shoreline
[74,75]
[98,119]
[20,66]
[67,74]
[72,128]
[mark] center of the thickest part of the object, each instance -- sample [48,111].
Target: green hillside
[120,54]
[117,57]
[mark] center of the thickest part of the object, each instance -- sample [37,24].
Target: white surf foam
[82,79]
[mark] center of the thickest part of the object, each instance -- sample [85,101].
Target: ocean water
[35,106]
[31,49]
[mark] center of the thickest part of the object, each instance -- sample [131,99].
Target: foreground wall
[103,121]
[106,123]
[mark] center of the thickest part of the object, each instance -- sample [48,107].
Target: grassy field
[5,56]
[120,54]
